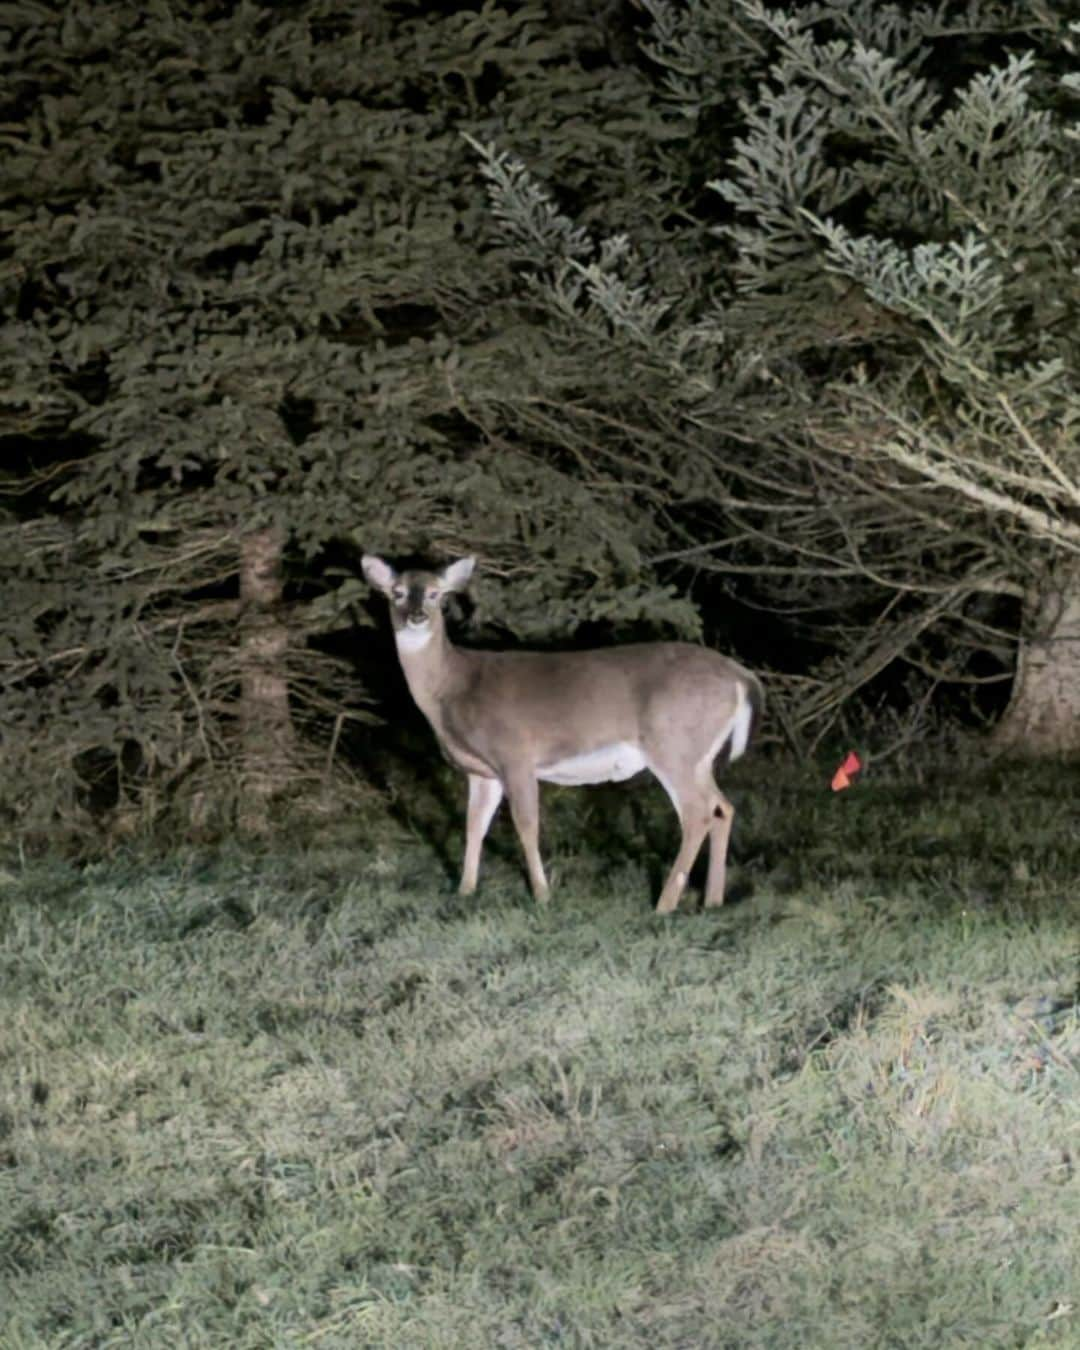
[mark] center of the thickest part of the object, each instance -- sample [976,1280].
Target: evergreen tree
[250,309]
[935,228]
[900,338]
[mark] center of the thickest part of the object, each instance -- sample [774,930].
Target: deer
[510,720]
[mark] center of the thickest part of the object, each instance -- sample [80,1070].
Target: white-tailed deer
[511,720]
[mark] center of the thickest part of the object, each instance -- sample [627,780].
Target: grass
[312,1098]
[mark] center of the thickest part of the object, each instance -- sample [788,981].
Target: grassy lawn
[309,1097]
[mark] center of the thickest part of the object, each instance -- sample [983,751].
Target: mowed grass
[312,1098]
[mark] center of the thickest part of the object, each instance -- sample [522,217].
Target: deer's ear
[379,574]
[455,576]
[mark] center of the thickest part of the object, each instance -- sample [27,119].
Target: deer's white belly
[609,764]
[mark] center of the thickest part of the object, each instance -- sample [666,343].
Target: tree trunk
[1043,716]
[267,735]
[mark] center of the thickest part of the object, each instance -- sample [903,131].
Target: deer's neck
[431,664]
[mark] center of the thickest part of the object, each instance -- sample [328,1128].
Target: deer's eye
[433,596]
[398,593]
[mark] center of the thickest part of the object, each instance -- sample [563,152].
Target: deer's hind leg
[694,805]
[723,815]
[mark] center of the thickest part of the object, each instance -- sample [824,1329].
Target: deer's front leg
[485,794]
[524,792]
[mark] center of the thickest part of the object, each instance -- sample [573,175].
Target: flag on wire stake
[845,774]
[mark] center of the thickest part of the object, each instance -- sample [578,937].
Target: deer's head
[416,596]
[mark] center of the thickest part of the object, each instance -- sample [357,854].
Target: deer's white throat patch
[413,638]
[608,764]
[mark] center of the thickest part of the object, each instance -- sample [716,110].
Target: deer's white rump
[510,720]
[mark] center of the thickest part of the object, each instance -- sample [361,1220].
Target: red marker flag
[844,775]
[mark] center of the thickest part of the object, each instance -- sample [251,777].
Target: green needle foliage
[252,309]
[861,333]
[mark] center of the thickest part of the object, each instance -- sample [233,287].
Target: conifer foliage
[904,197]
[592,291]
[883,382]
[251,308]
